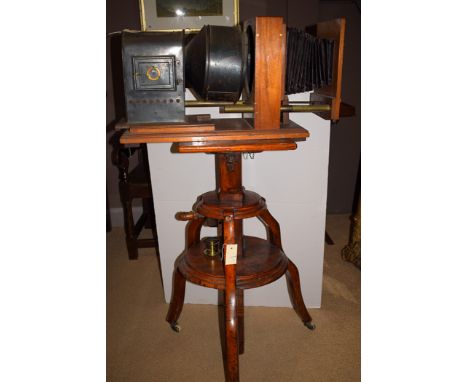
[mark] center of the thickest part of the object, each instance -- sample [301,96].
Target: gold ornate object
[153,73]
[212,244]
[352,252]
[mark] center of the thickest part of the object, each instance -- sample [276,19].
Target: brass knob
[212,246]
[153,73]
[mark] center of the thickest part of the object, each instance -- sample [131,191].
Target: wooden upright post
[270,48]
[334,30]
[230,306]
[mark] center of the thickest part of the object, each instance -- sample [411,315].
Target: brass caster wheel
[175,327]
[309,325]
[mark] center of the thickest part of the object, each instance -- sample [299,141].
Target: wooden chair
[135,184]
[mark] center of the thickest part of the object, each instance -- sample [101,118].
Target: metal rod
[241,107]
[284,109]
[211,103]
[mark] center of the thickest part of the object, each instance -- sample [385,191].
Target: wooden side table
[256,262]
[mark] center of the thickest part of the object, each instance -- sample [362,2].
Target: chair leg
[129,224]
[132,249]
[147,211]
[177,300]
[294,288]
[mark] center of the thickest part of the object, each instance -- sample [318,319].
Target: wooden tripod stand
[246,262]
[259,262]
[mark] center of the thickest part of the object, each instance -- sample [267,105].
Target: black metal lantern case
[153,66]
[156,72]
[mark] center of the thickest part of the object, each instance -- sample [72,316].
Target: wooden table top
[216,135]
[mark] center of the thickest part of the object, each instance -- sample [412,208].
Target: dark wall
[345,137]
[121,14]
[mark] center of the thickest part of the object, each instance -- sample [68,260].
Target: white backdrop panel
[294,184]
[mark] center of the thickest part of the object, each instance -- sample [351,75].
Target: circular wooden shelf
[210,206]
[261,264]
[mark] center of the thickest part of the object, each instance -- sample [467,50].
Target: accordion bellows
[309,62]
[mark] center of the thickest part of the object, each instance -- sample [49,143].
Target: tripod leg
[232,347]
[240,319]
[193,231]
[272,226]
[230,306]
[177,300]
[294,289]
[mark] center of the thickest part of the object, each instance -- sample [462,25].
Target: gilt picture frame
[191,15]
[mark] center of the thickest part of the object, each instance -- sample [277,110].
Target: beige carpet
[141,347]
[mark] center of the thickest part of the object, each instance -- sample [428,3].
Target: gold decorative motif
[212,249]
[150,73]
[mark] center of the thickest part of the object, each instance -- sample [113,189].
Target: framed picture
[170,15]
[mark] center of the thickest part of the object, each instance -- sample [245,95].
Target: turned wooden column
[230,191]
[230,306]
[229,176]
[229,188]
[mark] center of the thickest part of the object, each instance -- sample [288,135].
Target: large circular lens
[215,66]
